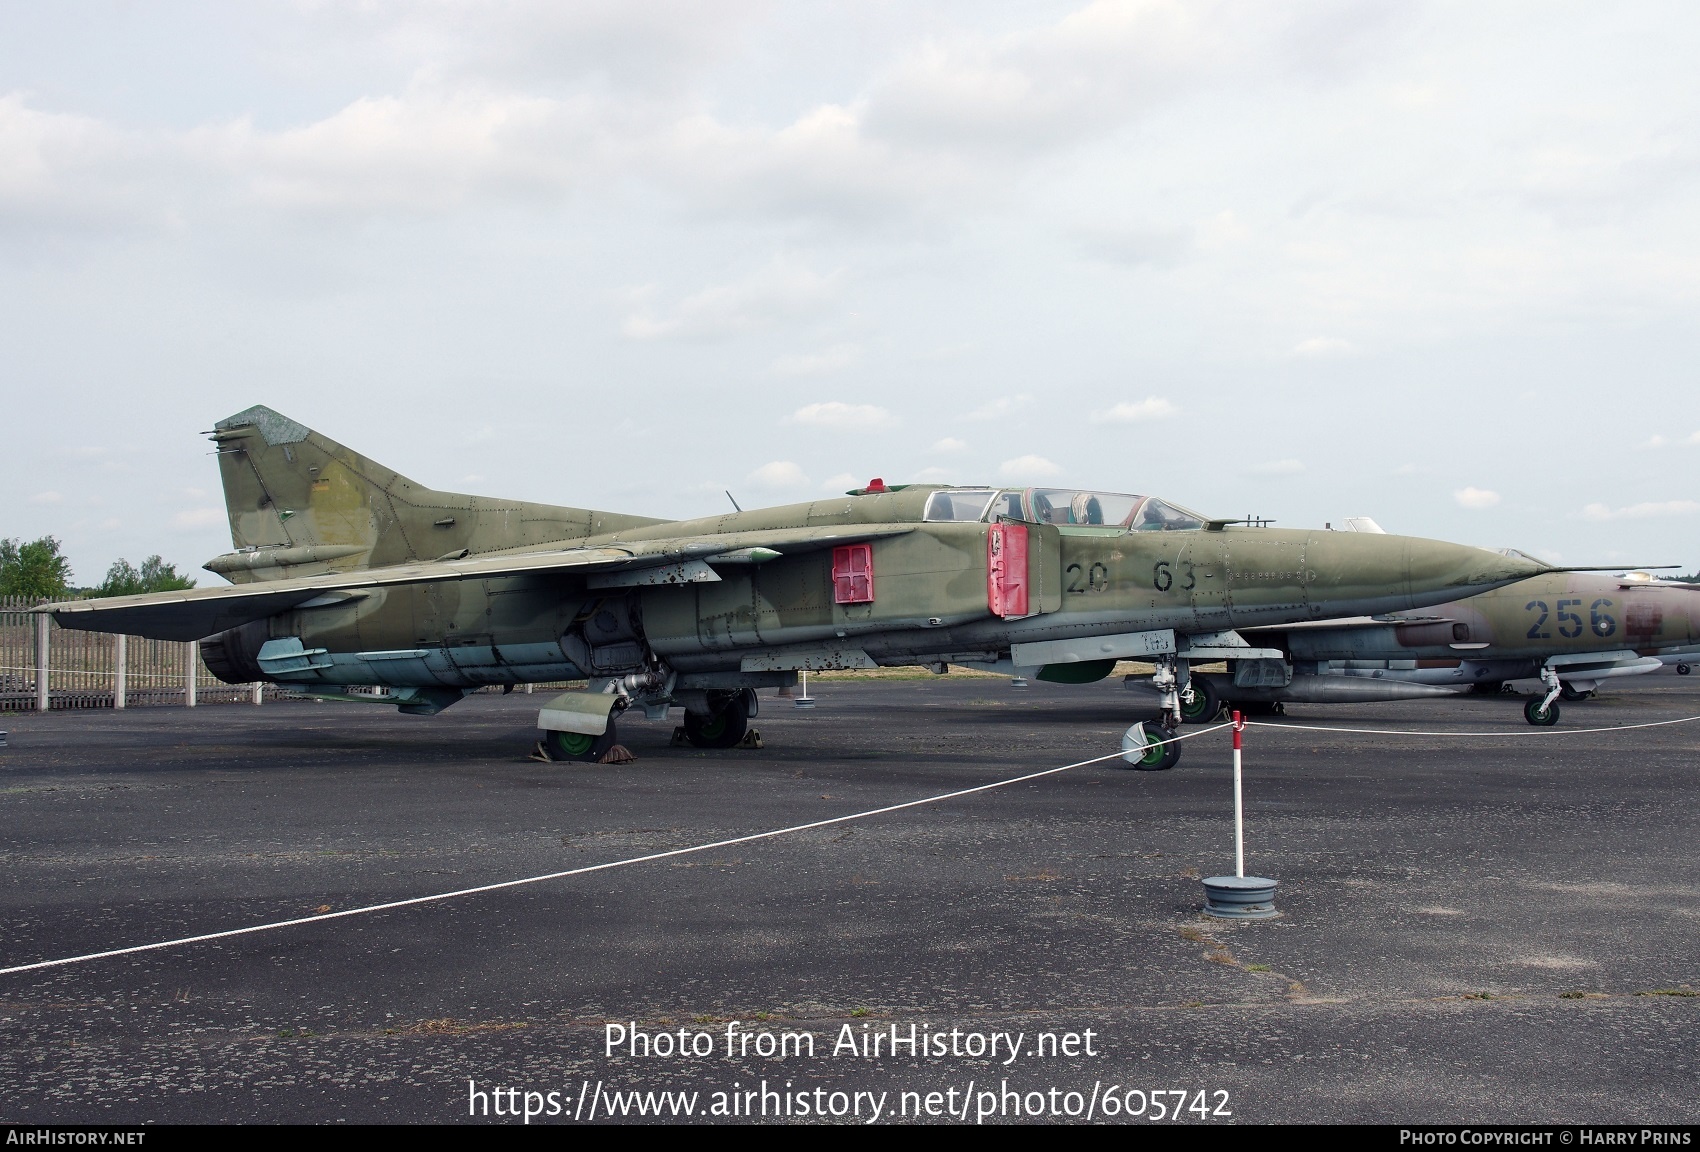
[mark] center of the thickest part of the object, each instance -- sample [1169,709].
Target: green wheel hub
[570,743]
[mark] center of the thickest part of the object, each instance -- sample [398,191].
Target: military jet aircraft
[346,573]
[1570,629]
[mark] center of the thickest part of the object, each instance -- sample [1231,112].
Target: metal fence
[44,666]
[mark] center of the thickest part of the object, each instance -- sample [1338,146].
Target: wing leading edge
[201,612]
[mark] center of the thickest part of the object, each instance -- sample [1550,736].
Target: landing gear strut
[1150,746]
[1543,713]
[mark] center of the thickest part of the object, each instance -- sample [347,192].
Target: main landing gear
[725,723]
[1201,703]
[1543,713]
[1151,747]
[581,748]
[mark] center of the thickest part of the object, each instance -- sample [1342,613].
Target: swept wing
[199,612]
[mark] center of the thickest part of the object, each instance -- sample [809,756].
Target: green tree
[35,570]
[155,575]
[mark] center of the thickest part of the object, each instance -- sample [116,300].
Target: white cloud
[1001,407]
[933,475]
[194,519]
[837,414]
[782,289]
[1134,411]
[49,497]
[1642,511]
[1287,467]
[949,444]
[779,474]
[1476,497]
[1028,468]
[843,482]
[1321,347]
[824,363]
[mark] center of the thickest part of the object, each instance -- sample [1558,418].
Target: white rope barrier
[755,836]
[653,856]
[1509,733]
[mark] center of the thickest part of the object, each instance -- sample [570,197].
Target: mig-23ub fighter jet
[346,573]
[1569,629]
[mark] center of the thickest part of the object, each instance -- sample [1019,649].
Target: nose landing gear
[1543,713]
[1151,747]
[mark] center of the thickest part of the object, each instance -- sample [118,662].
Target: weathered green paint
[492,591]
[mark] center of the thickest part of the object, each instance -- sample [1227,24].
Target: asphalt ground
[1473,930]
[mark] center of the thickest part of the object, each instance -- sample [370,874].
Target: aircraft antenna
[730,497]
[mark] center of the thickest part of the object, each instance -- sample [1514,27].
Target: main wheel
[1206,703]
[579,747]
[723,729]
[1540,714]
[1682,669]
[1568,693]
[1144,747]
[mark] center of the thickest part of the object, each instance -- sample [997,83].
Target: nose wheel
[1150,747]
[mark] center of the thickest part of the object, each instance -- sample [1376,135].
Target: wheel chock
[541,754]
[618,754]
[752,739]
[679,740]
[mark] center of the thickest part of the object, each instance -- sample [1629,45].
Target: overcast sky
[1438,264]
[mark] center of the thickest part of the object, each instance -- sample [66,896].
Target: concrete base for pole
[1240,897]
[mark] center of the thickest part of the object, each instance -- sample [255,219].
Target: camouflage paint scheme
[1585,627]
[347,573]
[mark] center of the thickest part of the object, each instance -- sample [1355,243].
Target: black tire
[722,730]
[1566,692]
[1487,687]
[1206,703]
[578,747]
[1682,669]
[1541,716]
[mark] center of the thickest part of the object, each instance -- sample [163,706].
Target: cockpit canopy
[1061,506]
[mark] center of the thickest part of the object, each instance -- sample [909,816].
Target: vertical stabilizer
[300,504]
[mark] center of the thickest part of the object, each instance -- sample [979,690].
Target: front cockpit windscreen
[1061,506]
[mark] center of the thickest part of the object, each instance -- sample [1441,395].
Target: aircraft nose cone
[1457,570]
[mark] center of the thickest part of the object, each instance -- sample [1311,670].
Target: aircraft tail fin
[301,504]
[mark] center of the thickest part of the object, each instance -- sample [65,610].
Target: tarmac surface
[1482,929]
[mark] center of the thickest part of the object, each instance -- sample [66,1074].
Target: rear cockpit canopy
[1061,506]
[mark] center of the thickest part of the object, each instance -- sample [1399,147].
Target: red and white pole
[1239,805]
